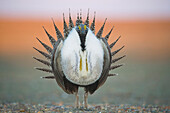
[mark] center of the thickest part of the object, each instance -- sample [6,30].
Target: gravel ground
[59,107]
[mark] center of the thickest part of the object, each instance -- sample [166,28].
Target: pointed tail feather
[116,66]
[87,19]
[113,53]
[44,69]
[58,33]
[43,61]
[117,59]
[71,25]
[43,53]
[107,36]
[78,20]
[92,27]
[65,27]
[48,77]
[52,40]
[111,45]
[100,32]
[81,16]
[49,49]
[115,74]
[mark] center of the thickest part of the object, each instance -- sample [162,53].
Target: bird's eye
[85,27]
[79,27]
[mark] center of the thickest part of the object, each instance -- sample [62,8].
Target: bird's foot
[85,100]
[77,104]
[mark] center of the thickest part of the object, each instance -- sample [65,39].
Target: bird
[80,58]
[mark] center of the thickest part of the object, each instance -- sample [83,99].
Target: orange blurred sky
[141,38]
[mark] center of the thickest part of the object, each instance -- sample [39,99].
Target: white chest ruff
[82,68]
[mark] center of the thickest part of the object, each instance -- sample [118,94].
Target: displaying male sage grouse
[79,58]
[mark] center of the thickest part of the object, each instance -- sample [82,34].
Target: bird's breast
[82,67]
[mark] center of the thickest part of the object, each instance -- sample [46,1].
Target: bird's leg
[77,101]
[86,99]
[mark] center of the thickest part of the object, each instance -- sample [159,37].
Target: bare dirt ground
[58,107]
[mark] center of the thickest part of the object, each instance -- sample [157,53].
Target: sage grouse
[79,58]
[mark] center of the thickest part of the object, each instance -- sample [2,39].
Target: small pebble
[60,107]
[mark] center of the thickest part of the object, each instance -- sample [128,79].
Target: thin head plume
[87,19]
[92,27]
[49,49]
[100,32]
[71,25]
[111,45]
[107,36]
[58,33]
[65,27]
[81,16]
[78,20]
[52,40]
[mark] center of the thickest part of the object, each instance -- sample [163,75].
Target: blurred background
[145,29]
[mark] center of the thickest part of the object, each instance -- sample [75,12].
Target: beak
[82,32]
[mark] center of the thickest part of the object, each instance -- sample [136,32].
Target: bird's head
[82,31]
